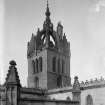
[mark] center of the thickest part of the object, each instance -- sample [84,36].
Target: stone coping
[48,100]
[60,90]
[32,91]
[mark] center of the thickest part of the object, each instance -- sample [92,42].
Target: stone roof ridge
[60,89]
[92,82]
[12,75]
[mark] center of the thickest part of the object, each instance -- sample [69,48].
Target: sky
[83,23]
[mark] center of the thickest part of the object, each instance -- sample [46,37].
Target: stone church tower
[48,55]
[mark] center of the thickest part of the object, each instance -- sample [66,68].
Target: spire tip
[47,10]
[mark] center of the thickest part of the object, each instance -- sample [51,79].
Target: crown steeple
[48,47]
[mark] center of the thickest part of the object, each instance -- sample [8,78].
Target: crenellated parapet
[93,83]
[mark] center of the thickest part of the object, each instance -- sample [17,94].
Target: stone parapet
[93,83]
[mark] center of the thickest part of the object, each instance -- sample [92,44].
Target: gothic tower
[48,55]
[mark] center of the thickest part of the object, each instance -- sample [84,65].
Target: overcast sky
[84,25]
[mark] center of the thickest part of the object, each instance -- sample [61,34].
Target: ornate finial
[38,30]
[76,84]
[76,77]
[59,23]
[12,63]
[47,10]
[12,76]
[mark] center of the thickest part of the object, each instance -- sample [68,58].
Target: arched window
[37,65]
[59,66]
[89,100]
[54,64]
[40,64]
[68,98]
[59,81]
[33,63]
[63,66]
[36,82]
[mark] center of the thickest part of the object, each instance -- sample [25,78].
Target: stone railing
[95,82]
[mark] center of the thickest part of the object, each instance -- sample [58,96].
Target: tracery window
[37,69]
[68,98]
[89,100]
[54,64]
[63,66]
[33,63]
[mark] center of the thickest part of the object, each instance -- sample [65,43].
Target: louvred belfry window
[63,66]
[54,64]
[59,68]
[37,69]
[40,63]
[89,100]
